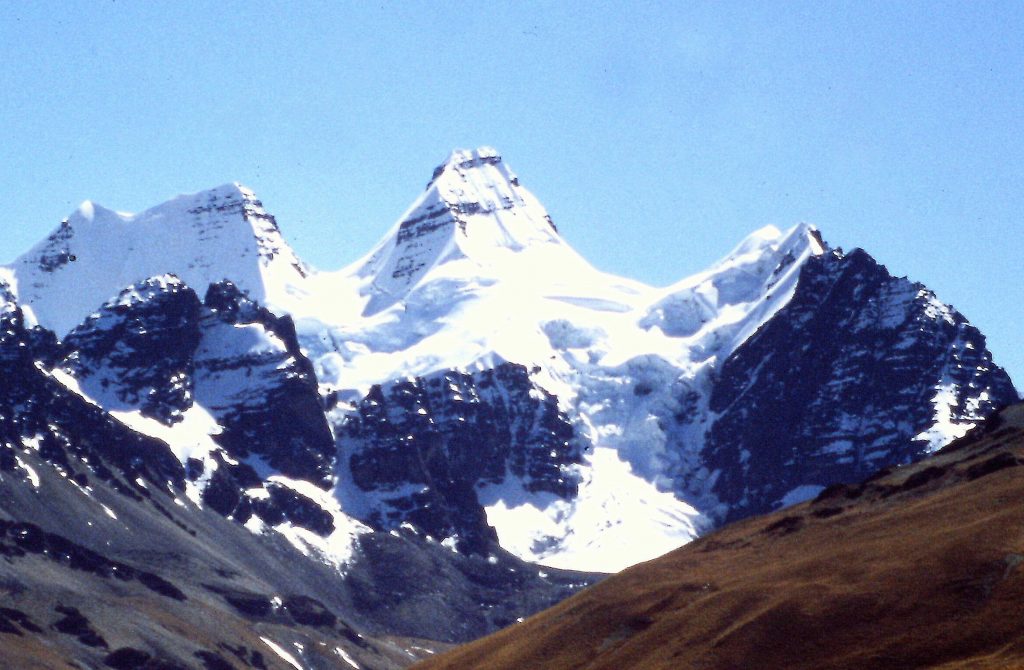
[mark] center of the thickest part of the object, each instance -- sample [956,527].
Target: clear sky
[658,135]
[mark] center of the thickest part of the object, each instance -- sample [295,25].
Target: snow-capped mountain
[136,532]
[96,253]
[474,379]
[858,371]
[913,567]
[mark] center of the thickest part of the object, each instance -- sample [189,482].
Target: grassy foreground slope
[918,567]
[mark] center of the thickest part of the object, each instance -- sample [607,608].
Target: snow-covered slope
[473,224]
[617,420]
[104,539]
[475,274]
[202,238]
[223,383]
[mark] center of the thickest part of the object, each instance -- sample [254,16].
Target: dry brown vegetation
[922,567]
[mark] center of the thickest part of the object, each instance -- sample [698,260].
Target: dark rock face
[76,624]
[262,389]
[139,347]
[845,379]
[55,253]
[78,437]
[14,621]
[444,434]
[128,658]
[284,504]
[158,349]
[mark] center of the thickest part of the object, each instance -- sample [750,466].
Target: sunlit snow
[472,275]
[284,655]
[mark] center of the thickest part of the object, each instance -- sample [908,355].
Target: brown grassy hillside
[917,568]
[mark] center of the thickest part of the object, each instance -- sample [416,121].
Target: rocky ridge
[93,512]
[442,386]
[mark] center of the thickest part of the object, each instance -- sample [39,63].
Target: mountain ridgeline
[914,567]
[406,441]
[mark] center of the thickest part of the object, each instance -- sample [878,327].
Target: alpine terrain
[286,467]
[915,567]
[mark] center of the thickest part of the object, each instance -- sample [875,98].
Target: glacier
[473,276]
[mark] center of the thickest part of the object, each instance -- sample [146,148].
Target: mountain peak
[769,238]
[232,190]
[227,194]
[462,160]
[220,202]
[87,210]
[203,238]
[473,211]
[478,181]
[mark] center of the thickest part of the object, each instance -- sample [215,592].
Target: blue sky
[658,135]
